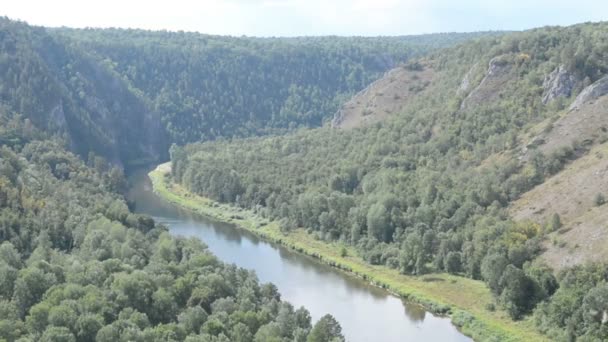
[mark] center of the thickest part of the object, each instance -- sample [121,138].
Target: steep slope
[429,188]
[573,195]
[581,126]
[575,192]
[210,86]
[66,92]
[500,73]
[128,94]
[388,95]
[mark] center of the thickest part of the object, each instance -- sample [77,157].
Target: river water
[366,313]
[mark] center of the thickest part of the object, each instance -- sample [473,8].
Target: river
[366,313]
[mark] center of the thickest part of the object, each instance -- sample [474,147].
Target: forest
[91,87]
[77,107]
[77,265]
[428,190]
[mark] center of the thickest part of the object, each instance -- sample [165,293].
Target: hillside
[385,96]
[128,94]
[436,185]
[77,265]
[77,105]
[64,91]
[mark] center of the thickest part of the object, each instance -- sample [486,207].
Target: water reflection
[365,312]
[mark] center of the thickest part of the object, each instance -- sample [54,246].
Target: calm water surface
[366,313]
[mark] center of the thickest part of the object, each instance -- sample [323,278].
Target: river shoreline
[462,299]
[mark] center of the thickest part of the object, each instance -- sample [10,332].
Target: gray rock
[559,83]
[465,85]
[498,67]
[592,92]
[498,71]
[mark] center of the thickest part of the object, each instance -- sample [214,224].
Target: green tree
[517,292]
[453,262]
[492,269]
[326,329]
[378,222]
[57,334]
[270,332]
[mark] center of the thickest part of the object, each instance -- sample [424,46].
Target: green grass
[464,300]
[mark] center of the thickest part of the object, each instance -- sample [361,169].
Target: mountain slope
[385,96]
[77,265]
[66,92]
[128,94]
[429,188]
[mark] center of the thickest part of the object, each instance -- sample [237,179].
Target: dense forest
[428,190]
[77,265]
[127,94]
[207,87]
[77,105]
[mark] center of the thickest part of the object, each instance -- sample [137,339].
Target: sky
[307,17]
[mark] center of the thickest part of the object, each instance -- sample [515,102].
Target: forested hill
[441,185]
[211,86]
[76,265]
[128,94]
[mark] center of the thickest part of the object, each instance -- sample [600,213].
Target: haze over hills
[479,155]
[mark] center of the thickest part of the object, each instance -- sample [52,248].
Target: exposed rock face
[465,85]
[592,92]
[497,67]
[559,83]
[498,74]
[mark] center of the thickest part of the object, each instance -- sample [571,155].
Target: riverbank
[465,300]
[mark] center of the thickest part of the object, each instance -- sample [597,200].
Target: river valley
[365,312]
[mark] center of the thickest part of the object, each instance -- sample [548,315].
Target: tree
[492,268]
[87,327]
[213,326]
[556,222]
[270,332]
[303,319]
[241,333]
[30,286]
[412,257]
[599,200]
[57,334]
[378,222]
[453,262]
[517,292]
[326,329]
[595,305]
[164,307]
[192,319]
[63,316]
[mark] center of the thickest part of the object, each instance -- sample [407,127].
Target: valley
[463,299]
[446,186]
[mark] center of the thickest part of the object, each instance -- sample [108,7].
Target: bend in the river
[366,313]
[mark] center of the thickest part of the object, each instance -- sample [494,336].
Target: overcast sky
[308,17]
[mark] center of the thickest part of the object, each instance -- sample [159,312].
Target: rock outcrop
[498,74]
[465,85]
[559,83]
[592,92]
